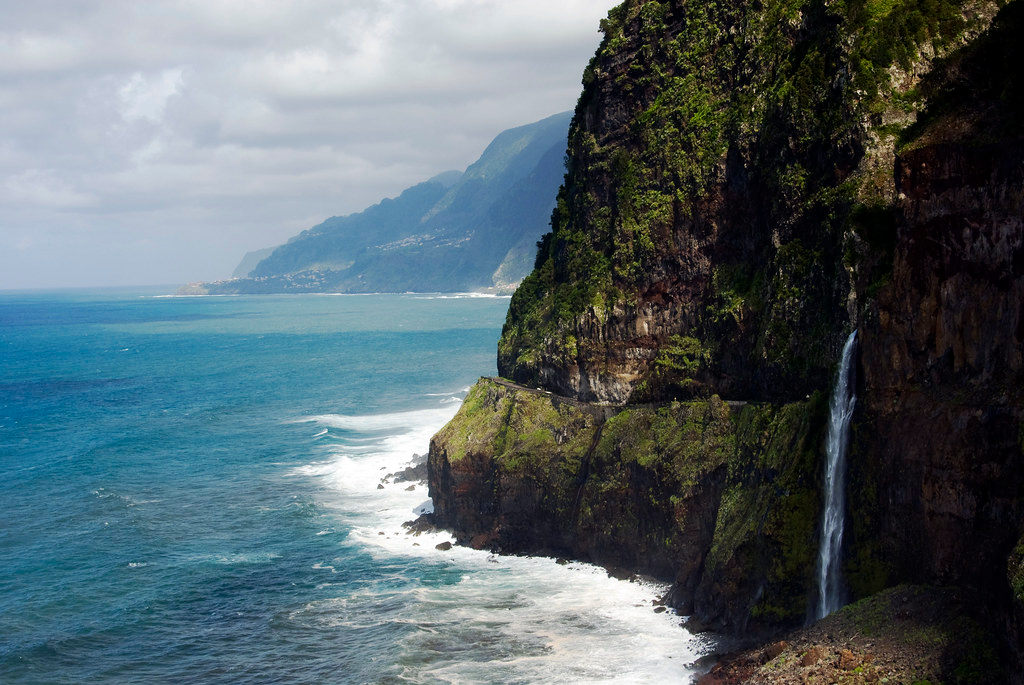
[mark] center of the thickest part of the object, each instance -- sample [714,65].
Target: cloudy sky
[155,142]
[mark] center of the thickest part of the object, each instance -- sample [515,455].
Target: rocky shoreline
[680,491]
[907,634]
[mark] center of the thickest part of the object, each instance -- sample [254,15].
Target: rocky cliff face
[939,451]
[747,183]
[719,498]
[941,355]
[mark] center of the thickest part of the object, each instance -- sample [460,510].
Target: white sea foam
[451,395]
[242,558]
[525,619]
[397,421]
[228,558]
[323,468]
[125,500]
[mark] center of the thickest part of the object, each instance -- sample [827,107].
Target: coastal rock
[812,656]
[937,466]
[420,525]
[847,660]
[415,473]
[940,638]
[678,491]
[774,650]
[747,183]
[481,541]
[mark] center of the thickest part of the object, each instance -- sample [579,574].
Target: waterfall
[834,512]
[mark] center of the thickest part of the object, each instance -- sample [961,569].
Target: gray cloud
[155,142]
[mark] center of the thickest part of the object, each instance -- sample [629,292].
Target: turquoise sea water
[188,492]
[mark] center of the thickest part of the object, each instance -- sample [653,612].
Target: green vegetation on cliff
[519,430]
[720,499]
[765,534]
[727,137]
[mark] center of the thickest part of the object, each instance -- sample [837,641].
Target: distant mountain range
[457,231]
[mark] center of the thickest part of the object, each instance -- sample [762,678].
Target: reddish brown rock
[774,650]
[812,656]
[937,467]
[481,541]
[847,660]
[862,644]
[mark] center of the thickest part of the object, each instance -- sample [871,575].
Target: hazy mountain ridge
[249,262]
[456,231]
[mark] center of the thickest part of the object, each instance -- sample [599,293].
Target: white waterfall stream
[830,593]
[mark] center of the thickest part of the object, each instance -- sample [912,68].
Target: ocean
[189,493]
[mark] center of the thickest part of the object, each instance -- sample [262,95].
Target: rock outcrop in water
[747,183]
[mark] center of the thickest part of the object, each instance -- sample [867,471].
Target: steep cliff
[748,182]
[939,448]
[720,156]
[720,498]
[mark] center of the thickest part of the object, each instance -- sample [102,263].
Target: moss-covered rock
[905,634]
[517,429]
[726,137]
[708,494]
[652,484]
[760,570]
[505,470]
[1015,571]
